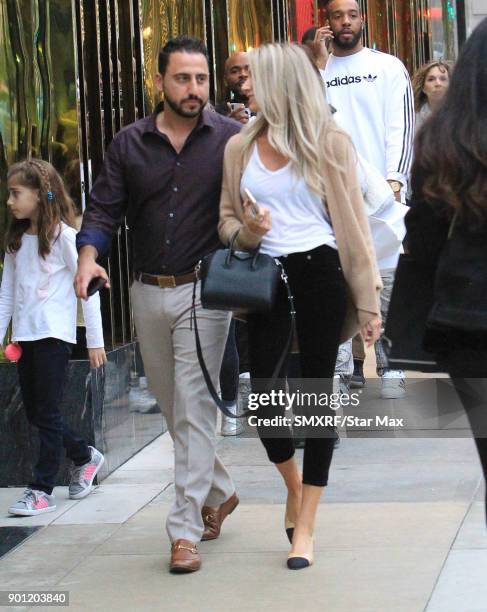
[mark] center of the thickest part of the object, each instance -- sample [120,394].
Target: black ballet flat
[301,561]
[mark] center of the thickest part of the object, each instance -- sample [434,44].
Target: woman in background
[430,84]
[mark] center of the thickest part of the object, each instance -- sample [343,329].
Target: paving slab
[113,503]
[462,585]
[245,452]
[163,476]
[45,559]
[473,532]
[157,455]
[384,536]
[253,528]
[378,482]
[480,495]
[359,581]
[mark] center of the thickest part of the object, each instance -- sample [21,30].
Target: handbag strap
[280,362]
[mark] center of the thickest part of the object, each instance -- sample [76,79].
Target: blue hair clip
[50,195]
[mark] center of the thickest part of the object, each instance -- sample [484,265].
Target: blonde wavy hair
[292,110]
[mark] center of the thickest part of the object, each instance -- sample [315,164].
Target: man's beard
[178,107]
[237,92]
[347,44]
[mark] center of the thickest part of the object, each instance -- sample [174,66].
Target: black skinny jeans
[320,295]
[42,372]
[468,371]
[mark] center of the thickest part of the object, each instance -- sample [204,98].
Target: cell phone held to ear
[95,285]
[253,202]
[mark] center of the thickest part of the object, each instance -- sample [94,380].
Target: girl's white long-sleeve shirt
[37,294]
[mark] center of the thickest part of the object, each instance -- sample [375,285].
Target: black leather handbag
[244,282]
[239,280]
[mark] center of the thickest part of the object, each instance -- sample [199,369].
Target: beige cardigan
[348,217]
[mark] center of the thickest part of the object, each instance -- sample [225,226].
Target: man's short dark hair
[309,35]
[185,44]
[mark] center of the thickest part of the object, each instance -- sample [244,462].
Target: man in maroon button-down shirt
[163,173]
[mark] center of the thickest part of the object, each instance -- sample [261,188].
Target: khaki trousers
[167,345]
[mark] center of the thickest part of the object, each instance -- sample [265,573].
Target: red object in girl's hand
[13,351]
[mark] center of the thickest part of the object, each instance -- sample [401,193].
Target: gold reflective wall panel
[38,111]
[160,21]
[249,24]
[238,26]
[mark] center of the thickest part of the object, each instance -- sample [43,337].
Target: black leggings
[320,295]
[468,371]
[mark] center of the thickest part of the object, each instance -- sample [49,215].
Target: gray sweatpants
[344,365]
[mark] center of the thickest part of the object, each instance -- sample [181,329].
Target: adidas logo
[350,80]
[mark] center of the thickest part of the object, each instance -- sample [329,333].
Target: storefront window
[404,33]
[442,15]
[301,16]
[376,18]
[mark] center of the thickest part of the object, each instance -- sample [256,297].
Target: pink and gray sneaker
[82,476]
[32,503]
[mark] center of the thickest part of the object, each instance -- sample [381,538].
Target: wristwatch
[396,186]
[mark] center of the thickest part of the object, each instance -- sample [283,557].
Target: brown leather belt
[166,282]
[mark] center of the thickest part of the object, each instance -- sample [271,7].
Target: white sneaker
[244,390]
[393,384]
[82,476]
[32,503]
[231,427]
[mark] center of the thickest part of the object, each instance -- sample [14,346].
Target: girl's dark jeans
[42,373]
[320,294]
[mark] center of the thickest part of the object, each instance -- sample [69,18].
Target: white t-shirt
[38,294]
[299,220]
[372,92]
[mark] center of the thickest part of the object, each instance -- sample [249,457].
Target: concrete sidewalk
[400,528]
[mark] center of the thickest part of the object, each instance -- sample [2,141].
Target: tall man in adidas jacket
[372,92]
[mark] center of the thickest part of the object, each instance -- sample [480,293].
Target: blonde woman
[300,167]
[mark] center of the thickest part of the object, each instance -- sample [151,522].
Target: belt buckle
[166,282]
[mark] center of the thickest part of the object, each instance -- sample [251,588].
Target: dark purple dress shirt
[170,200]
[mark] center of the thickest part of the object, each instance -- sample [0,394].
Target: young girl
[37,294]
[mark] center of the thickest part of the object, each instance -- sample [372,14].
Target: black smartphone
[95,285]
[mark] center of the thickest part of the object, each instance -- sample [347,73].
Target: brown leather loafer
[213,517]
[184,557]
